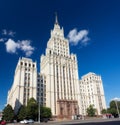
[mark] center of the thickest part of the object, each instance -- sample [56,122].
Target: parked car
[30,121]
[3,123]
[24,121]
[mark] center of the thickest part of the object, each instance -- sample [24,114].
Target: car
[24,121]
[3,123]
[30,121]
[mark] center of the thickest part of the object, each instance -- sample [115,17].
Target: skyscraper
[61,71]
[57,86]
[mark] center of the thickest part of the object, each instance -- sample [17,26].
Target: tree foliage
[113,108]
[8,113]
[27,112]
[32,109]
[104,111]
[45,112]
[22,113]
[91,111]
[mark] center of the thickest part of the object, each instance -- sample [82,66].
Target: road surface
[78,122]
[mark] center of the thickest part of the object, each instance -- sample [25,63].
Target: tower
[24,84]
[61,71]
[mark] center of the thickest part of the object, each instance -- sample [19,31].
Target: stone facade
[41,89]
[92,93]
[67,108]
[61,70]
[24,84]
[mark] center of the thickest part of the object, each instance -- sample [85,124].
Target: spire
[56,24]
[56,18]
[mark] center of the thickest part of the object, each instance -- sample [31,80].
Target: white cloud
[28,53]
[11,33]
[8,33]
[11,46]
[24,45]
[4,32]
[76,37]
[115,99]
[1,39]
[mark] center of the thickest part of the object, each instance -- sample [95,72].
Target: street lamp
[39,109]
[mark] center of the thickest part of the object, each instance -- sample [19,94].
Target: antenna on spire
[56,18]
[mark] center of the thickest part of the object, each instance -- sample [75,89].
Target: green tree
[112,104]
[104,111]
[8,113]
[113,109]
[45,112]
[91,111]
[32,109]
[22,113]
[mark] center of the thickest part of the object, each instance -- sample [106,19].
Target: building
[61,71]
[24,84]
[57,85]
[41,89]
[92,93]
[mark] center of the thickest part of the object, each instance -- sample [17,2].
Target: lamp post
[39,109]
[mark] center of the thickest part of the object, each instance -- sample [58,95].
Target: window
[24,90]
[21,63]
[25,84]
[25,78]
[28,90]
[50,52]
[28,78]
[74,58]
[28,84]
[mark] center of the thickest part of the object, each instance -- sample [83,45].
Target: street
[84,122]
[98,123]
[78,122]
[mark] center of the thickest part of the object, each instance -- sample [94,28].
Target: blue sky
[92,27]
